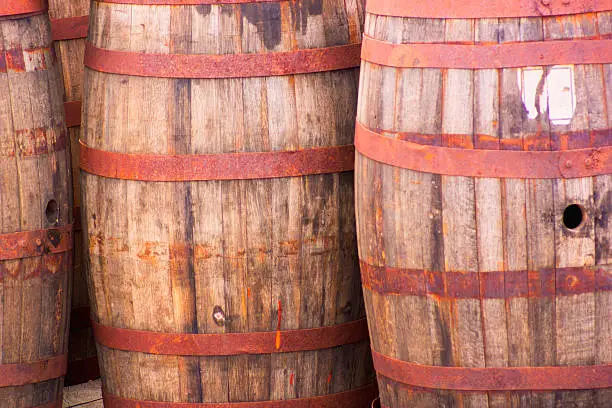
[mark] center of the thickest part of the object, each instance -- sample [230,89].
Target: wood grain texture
[224,256]
[70,55]
[414,220]
[35,193]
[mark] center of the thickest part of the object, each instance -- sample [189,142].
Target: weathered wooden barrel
[484,198]
[69,23]
[217,182]
[35,226]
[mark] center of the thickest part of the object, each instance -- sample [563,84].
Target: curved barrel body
[483,190]
[217,180]
[69,23]
[35,226]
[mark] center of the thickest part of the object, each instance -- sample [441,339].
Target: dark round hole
[573,216]
[52,212]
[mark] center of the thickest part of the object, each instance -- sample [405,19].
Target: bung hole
[573,216]
[52,211]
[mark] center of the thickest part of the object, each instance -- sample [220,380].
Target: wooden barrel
[484,198]
[69,23]
[36,198]
[217,180]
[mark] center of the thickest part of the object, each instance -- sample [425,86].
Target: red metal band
[14,375]
[228,166]
[185,2]
[230,344]
[483,163]
[69,28]
[18,7]
[494,378]
[26,244]
[478,56]
[485,9]
[73,113]
[82,371]
[222,66]
[545,282]
[357,398]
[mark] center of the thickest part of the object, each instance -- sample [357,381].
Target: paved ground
[88,395]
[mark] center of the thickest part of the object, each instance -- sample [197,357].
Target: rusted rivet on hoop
[588,162]
[568,164]
[545,2]
[38,242]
